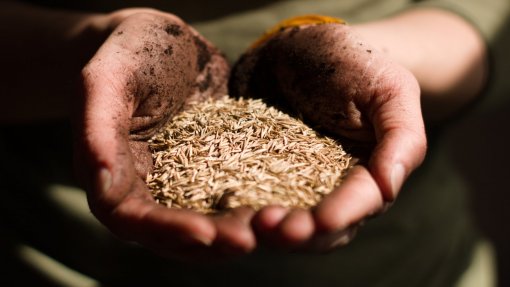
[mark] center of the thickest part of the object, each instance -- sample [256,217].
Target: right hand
[338,81]
[148,68]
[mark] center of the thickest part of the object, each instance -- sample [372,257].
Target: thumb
[105,117]
[400,133]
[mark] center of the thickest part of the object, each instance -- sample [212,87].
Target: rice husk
[222,154]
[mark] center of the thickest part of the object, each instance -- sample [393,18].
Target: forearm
[442,50]
[43,52]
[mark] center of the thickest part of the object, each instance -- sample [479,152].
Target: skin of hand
[444,52]
[426,40]
[330,77]
[365,83]
[148,69]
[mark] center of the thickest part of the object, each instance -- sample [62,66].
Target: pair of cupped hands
[153,64]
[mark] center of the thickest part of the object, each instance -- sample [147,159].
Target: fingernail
[200,240]
[397,179]
[348,236]
[328,241]
[105,179]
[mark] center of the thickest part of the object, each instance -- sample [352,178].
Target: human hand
[151,65]
[333,79]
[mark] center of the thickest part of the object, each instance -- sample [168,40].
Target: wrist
[443,51]
[114,18]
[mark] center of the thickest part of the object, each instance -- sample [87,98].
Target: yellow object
[297,21]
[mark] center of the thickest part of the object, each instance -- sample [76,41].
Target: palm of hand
[158,65]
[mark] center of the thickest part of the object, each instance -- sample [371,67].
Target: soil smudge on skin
[206,83]
[173,29]
[203,54]
[169,51]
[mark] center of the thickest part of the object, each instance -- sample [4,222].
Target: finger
[266,222]
[357,197]
[296,228]
[278,227]
[401,141]
[106,153]
[268,218]
[234,232]
[173,233]
[141,220]
[325,242]
[233,239]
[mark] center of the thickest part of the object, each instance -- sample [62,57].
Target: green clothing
[425,239]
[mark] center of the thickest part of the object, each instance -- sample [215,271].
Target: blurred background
[480,147]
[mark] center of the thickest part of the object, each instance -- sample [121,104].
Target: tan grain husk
[228,153]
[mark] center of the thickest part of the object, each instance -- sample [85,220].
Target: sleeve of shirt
[488,16]
[234,33]
[492,19]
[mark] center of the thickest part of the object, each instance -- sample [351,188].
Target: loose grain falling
[234,152]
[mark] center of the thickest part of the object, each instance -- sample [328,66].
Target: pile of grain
[227,153]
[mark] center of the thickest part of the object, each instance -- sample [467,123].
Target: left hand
[333,79]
